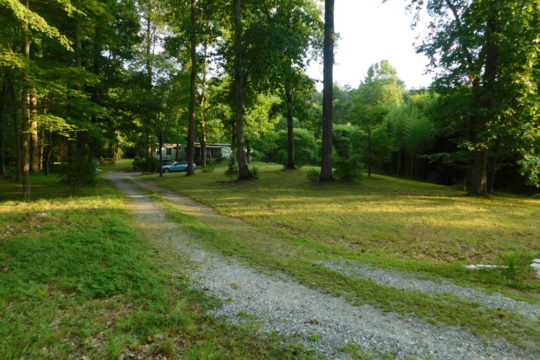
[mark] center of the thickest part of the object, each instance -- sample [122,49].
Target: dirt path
[292,309]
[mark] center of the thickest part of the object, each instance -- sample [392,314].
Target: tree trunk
[25,128]
[241,156]
[49,153]
[192,93]
[326,162]
[42,151]
[17,130]
[291,164]
[147,146]
[484,101]
[34,161]
[203,138]
[478,184]
[3,124]
[491,174]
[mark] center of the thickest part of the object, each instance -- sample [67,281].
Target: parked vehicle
[177,166]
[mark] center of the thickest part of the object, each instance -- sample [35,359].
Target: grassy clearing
[267,252]
[77,280]
[120,165]
[388,221]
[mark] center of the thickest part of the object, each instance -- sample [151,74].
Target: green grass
[276,235]
[388,221]
[120,165]
[267,252]
[77,279]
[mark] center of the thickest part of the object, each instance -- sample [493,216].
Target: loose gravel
[404,281]
[281,304]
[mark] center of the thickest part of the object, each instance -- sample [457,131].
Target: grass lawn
[120,165]
[78,281]
[290,224]
[386,220]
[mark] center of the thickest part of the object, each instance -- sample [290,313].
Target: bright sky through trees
[369,32]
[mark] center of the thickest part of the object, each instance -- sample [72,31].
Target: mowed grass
[290,224]
[77,280]
[120,165]
[389,221]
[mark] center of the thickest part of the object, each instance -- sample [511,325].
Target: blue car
[177,166]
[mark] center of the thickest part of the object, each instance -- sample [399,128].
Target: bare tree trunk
[291,164]
[326,161]
[241,155]
[192,92]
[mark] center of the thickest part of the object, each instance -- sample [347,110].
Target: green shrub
[313,175]
[210,167]
[78,172]
[272,147]
[306,147]
[146,165]
[342,139]
[349,170]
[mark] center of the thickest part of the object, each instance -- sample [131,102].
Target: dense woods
[86,81]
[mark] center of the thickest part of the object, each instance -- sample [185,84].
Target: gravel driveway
[283,305]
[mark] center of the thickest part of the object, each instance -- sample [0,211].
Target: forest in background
[102,79]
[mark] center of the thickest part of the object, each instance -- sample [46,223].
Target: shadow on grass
[78,281]
[48,187]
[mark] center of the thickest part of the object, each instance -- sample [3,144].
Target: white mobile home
[178,152]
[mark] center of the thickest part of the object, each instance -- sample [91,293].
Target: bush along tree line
[84,80]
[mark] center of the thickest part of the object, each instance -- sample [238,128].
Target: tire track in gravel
[289,308]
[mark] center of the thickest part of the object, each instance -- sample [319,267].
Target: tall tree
[380,90]
[31,24]
[328,83]
[192,89]
[488,53]
[294,34]
[241,155]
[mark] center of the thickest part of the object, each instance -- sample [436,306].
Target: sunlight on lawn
[384,215]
